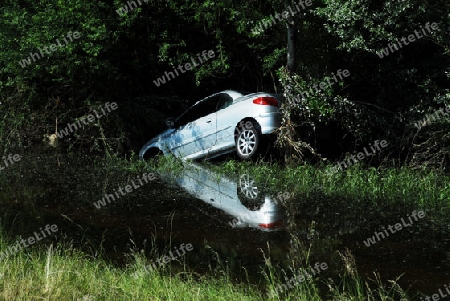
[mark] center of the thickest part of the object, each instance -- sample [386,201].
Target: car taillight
[266,101]
[271,225]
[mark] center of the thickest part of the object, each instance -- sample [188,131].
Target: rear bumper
[269,122]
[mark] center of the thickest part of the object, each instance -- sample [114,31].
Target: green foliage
[382,96]
[117,58]
[41,24]
[366,26]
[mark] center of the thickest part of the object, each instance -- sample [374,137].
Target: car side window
[187,117]
[204,108]
[225,100]
[207,106]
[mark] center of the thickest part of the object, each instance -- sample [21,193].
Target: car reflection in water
[242,198]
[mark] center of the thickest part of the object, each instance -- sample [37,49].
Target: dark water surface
[233,219]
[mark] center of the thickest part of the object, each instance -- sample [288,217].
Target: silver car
[218,124]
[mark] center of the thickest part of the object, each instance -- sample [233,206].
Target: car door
[181,142]
[226,121]
[195,131]
[205,126]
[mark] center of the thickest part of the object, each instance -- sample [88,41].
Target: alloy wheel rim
[247,142]
[247,187]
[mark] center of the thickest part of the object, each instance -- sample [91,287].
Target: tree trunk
[291,25]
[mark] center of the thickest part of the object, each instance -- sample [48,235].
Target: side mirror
[170,123]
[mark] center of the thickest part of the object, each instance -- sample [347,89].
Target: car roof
[234,94]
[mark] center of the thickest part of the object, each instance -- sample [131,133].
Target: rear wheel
[247,141]
[152,154]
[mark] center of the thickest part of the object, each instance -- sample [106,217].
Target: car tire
[247,141]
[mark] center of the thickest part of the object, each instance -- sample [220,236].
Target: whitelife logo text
[437,297]
[289,12]
[166,259]
[297,279]
[361,156]
[433,117]
[35,56]
[406,40]
[398,226]
[322,85]
[128,188]
[188,66]
[90,118]
[11,159]
[22,243]
[131,5]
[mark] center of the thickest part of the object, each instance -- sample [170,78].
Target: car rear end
[264,108]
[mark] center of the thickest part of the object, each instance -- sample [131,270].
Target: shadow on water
[229,220]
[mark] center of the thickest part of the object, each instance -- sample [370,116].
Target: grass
[424,187]
[65,273]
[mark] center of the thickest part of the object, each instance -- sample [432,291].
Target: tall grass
[63,272]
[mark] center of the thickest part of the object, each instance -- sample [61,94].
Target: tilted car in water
[219,124]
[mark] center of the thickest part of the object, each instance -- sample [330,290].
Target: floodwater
[229,221]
